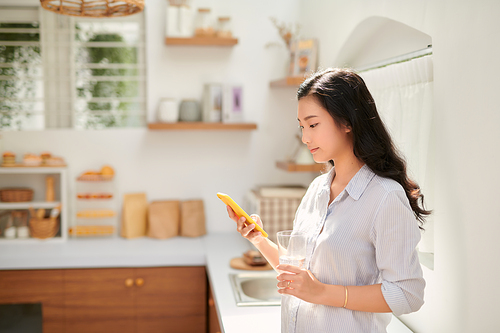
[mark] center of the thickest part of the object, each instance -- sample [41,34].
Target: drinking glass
[292,248]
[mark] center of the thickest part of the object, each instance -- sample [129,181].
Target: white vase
[168,110]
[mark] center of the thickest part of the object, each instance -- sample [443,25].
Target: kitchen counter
[213,251]
[99,253]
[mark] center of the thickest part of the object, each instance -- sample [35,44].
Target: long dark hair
[345,96]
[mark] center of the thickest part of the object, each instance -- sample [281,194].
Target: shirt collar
[357,184]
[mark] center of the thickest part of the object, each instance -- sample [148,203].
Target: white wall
[195,164]
[463,292]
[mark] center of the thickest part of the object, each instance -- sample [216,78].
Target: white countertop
[98,253]
[213,251]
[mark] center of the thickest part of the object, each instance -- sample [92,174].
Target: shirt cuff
[395,298]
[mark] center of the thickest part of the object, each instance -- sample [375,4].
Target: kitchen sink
[255,289]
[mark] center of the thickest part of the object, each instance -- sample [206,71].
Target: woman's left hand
[300,283]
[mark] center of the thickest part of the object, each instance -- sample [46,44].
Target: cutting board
[239,263]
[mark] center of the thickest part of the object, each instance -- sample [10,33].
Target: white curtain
[403,95]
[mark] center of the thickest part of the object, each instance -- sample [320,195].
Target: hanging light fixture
[94,8]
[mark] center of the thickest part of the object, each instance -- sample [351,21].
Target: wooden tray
[238,263]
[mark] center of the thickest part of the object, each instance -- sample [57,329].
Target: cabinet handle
[129,282]
[139,282]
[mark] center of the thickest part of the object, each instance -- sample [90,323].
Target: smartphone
[239,211]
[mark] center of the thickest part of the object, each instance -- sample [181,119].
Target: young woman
[361,218]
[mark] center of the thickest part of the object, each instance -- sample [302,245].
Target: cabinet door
[99,300]
[171,299]
[213,318]
[36,286]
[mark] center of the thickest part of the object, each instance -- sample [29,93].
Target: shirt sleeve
[396,235]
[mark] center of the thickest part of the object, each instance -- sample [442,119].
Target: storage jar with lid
[204,25]
[224,27]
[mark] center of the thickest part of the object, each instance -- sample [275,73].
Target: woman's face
[325,139]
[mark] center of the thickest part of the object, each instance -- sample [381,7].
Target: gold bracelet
[345,302]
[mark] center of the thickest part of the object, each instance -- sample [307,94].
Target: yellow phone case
[239,211]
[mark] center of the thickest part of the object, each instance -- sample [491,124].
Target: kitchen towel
[135,215]
[192,218]
[164,219]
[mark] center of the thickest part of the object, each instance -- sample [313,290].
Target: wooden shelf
[292,167]
[28,204]
[201,41]
[202,126]
[290,81]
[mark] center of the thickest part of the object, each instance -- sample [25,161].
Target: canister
[189,110]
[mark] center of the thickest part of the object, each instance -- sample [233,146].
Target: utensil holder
[44,228]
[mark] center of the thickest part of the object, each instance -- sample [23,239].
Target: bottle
[172,18]
[185,21]
[10,229]
[21,223]
[49,189]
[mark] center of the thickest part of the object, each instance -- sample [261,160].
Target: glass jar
[21,223]
[204,26]
[224,27]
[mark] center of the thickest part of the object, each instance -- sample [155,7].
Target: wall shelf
[202,126]
[289,81]
[292,167]
[201,41]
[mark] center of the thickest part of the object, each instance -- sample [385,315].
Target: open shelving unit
[34,177]
[202,126]
[96,215]
[201,41]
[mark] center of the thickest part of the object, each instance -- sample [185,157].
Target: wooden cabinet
[98,300]
[213,318]
[36,286]
[160,299]
[172,299]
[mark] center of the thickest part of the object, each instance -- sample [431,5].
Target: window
[109,77]
[21,71]
[93,72]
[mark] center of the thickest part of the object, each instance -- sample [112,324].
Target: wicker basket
[44,228]
[94,8]
[16,194]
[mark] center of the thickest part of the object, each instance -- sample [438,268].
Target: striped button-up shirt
[367,235]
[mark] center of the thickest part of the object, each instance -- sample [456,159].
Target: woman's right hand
[247,229]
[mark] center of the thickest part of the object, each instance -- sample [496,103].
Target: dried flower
[287,31]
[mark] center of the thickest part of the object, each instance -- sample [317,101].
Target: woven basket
[94,8]
[44,228]
[16,194]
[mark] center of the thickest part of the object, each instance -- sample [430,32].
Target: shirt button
[293,319]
